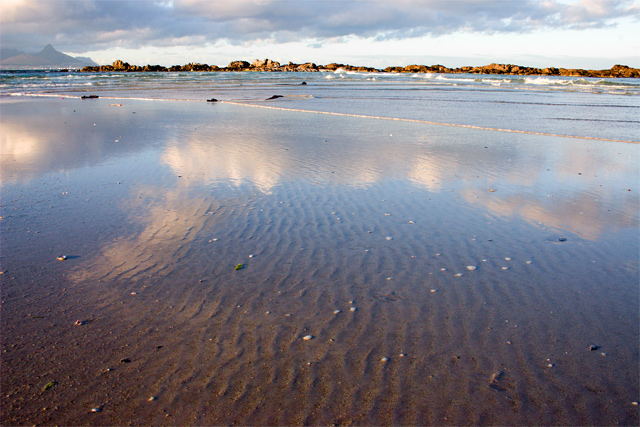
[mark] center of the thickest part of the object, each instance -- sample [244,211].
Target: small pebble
[471,267]
[443,269]
[593,347]
[96,409]
[505,268]
[152,398]
[529,262]
[79,323]
[389,238]
[402,355]
[384,359]
[459,275]
[353,308]
[62,258]
[634,403]
[507,259]
[251,256]
[434,291]
[336,311]
[307,337]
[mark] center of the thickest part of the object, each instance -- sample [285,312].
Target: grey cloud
[83,25]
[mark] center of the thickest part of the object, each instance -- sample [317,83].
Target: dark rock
[154,68]
[274,97]
[194,66]
[212,100]
[238,66]
[119,65]
[265,65]
[309,66]
[416,69]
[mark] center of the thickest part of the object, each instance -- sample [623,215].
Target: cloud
[86,24]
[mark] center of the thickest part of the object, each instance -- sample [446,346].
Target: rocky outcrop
[238,66]
[267,65]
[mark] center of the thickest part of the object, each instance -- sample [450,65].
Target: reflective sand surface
[480,266]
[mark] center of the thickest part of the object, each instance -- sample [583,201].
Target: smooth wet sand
[155,203]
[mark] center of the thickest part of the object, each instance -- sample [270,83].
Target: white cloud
[92,25]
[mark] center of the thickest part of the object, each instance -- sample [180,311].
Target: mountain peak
[47,49]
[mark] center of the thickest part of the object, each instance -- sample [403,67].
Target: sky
[595,34]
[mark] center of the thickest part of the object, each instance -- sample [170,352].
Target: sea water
[572,106]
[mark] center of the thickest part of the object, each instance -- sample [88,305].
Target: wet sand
[441,276]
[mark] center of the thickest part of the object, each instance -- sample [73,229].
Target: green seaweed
[239,266]
[49,385]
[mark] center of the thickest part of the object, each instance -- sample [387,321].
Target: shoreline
[267,65]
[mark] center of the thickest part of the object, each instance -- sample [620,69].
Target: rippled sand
[354,304]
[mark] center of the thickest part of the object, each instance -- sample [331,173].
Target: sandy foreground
[388,272]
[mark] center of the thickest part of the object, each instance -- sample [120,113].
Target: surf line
[364,116]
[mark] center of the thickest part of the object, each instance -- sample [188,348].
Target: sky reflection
[199,149]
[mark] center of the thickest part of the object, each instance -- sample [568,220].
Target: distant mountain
[47,58]
[8,53]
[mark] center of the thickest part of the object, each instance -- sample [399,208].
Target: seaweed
[239,267]
[49,385]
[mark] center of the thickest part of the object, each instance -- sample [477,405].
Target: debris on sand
[49,385]
[495,381]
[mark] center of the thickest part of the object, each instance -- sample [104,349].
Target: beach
[229,264]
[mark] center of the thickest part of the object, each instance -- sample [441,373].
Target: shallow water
[155,203]
[587,107]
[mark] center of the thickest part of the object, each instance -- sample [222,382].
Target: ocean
[587,107]
[362,249]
